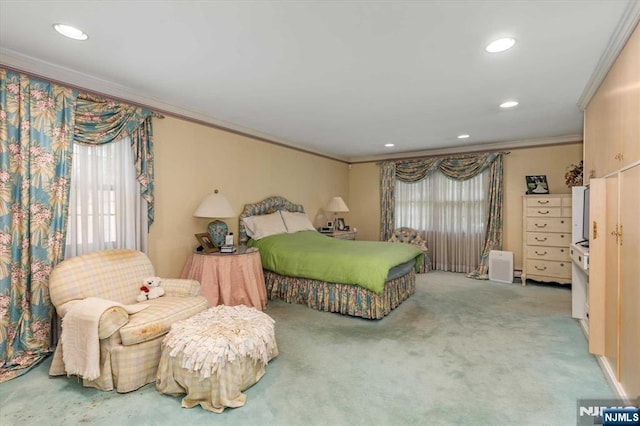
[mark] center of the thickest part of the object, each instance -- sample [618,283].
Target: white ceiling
[340,78]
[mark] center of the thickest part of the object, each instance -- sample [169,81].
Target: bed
[355,284]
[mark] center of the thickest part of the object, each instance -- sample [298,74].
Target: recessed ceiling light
[500,45]
[70,31]
[465,136]
[508,104]
[389,145]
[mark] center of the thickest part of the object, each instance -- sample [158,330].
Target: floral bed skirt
[342,298]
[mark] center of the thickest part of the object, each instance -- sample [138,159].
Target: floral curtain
[460,168]
[100,121]
[36,129]
[387,199]
[493,241]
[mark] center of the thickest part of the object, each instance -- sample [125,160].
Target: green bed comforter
[309,254]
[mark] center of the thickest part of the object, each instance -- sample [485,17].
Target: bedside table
[229,278]
[343,235]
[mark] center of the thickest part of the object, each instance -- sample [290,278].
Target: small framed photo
[330,224]
[206,242]
[537,184]
[340,224]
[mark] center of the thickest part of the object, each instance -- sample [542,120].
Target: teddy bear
[150,289]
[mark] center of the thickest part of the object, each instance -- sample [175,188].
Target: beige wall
[192,160]
[551,161]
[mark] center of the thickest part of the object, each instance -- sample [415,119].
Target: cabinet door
[597,266]
[629,357]
[629,62]
[611,273]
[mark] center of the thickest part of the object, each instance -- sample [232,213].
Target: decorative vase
[218,232]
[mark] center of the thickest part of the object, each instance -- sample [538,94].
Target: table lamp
[336,205]
[216,205]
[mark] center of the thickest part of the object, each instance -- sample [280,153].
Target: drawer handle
[541,240]
[539,268]
[543,212]
[541,254]
[562,221]
[543,202]
[540,226]
[561,250]
[562,265]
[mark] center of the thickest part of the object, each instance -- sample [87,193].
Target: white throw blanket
[80,341]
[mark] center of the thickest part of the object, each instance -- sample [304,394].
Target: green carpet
[459,351]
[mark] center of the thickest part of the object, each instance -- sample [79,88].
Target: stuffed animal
[150,289]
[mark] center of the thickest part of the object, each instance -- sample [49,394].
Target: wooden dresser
[547,237]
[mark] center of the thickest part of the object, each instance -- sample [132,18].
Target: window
[106,210]
[452,214]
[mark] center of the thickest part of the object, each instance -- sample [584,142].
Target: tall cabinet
[612,168]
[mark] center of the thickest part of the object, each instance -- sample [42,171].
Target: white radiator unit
[501,266]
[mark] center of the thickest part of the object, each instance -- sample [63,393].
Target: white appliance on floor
[501,266]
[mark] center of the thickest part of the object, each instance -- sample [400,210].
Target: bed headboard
[266,206]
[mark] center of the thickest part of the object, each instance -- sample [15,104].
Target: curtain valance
[461,167]
[101,120]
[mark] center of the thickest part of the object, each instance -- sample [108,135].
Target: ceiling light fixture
[389,145]
[465,136]
[500,45]
[508,104]
[70,31]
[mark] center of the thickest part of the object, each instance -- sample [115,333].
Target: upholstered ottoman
[215,355]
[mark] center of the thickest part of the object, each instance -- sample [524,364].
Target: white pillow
[297,222]
[263,226]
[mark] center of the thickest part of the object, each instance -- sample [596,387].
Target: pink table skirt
[228,279]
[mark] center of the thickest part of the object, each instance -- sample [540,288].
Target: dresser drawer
[544,202]
[548,253]
[549,268]
[544,211]
[548,224]
[548,239]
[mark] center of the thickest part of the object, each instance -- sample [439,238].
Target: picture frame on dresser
[537,184]
[340,224]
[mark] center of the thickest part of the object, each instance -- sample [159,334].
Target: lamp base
[218,231]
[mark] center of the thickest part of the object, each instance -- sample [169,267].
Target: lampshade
[214,205]
[336,204]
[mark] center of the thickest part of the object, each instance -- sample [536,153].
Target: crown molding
[493,146]
[629,21]
[72,78]
[78,80]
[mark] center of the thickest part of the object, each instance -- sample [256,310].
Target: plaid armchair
[412,236]
[129,343]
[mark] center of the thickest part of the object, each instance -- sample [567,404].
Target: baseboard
[609,375]
[611,378]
